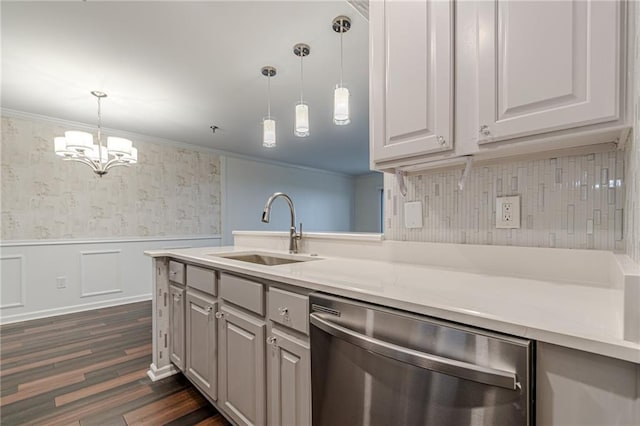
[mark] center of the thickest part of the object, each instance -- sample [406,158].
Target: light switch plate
[413,214]
[508,212]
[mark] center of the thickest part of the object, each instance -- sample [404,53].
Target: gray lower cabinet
[202,355]
[176,324]
[290,377]
[242,366]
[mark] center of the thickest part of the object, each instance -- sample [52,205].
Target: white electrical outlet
[508,212]
[61,282]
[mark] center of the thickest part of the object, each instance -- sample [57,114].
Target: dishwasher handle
[451,367]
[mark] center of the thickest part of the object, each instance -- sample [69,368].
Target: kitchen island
[581,307]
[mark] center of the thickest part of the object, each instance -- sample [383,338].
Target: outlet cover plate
[413,214]
[508,212]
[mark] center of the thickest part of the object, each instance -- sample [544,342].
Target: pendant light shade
[341,106]
[268,123]
[78,141]
[119,145]
[301,127]
[341,24]
[268,132]
[302,120]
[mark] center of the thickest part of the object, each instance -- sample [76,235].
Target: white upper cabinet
[529,77]
[411,67]
[546,66]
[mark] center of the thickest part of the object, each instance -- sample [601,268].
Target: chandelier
[78,146]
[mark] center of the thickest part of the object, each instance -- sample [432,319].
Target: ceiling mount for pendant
[341,24]
[268,71]
[98,94]
[301,50]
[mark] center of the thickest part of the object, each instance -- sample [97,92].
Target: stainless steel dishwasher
[376,366]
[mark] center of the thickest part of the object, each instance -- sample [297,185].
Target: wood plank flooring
[89,368]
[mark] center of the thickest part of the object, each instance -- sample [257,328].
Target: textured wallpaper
[570,202]
[172,191]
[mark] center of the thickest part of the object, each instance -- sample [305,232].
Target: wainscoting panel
[67,276]
[12,293]
[100,272]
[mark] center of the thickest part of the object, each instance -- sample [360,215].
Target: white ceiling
[172,69]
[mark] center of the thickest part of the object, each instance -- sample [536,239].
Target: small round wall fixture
[301,127]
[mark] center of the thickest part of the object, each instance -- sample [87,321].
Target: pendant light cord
[301,79]
[99,121]
[269,96]
[341,56]
[99,131]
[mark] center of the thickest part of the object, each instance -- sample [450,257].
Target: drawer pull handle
[219,315]
[284,311]
[271,340]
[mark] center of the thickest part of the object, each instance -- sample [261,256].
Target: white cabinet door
[547,65]
[242,366]
[176,323]
[411,65]
[290,388]
[202,356]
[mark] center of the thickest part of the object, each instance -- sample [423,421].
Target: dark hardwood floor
[89,368]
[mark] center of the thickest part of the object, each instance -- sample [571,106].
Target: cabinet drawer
[202,279]
[176,272]
[244,293]
[289,309]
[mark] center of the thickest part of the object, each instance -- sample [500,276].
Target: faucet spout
[293,235]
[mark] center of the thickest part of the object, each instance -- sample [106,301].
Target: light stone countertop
[582,316]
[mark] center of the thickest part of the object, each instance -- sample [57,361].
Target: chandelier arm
[84,161]
[115,162]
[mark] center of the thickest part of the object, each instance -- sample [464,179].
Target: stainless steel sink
[264,258]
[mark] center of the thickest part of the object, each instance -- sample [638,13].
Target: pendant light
[341,25]
[78,146]
[301,128]
[268,124]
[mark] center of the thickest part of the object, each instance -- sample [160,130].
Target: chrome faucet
[293,235]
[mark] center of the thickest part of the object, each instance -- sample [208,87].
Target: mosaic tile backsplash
[569,202]
[172,191]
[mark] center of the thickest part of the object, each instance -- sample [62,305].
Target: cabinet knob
[219,315]
[176,297]
[284,311]
[271,340]
[441,140]
[209,308]
[485,130]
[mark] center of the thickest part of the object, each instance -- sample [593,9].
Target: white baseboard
[156,374]
[8,319]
